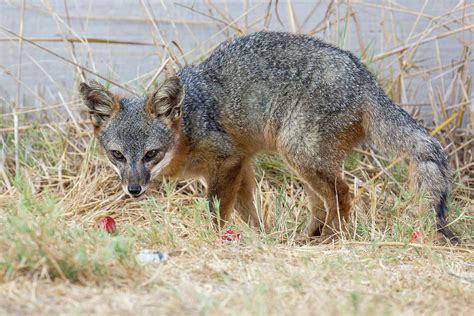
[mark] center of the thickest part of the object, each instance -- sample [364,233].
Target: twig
[429,39]
[295,25]
[16,104]
[26,127]
[68,61]
[157,32]
[94,40]
[157,73]
[402,244]
[236,28]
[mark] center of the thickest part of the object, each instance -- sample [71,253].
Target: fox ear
[166,101]
[101,103]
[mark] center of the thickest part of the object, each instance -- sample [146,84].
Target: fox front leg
[224,181]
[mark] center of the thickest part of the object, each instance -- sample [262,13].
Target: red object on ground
[108,224]
[416,236]
[230,235]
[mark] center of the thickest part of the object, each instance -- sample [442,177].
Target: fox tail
[392,129]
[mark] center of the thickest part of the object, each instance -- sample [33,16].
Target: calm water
[47,76]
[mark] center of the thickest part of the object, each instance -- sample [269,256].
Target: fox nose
[134,189]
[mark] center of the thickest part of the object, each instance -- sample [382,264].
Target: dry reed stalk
[15,110]
[295,25]
[155,32]
[424,41]
[17,104]
[67,60]
[229,24]
[77,40]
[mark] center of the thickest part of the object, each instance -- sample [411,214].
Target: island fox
[269,91]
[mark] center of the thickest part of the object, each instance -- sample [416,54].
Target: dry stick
[379,6]
[454,66]
[24,128]
[8,73]
[255,22]
[18,90]
[71,115]
[158,72]
[78,40]
[268,16]
[140,19]
[466,167]
[439,22]
[441,103]
[157,31]
[67,60]
[246,19]
[405,47]
[34,61]
[465,91]
[175,29]
[33,110]
[224,29]
[462,146]
[377,162]
[419,42]
[71,44]
[278,15]
[418,17]
[362,46]
[319,27]
[122,19]
[450,89]
[310,14]
[440,65]
[83,24]
[401,244]
[434,24]
[236,28]
[227,19]
[325,27]
[3,172]
[458,105]
[57,20]
[197,42]
[295,25]
[388,22]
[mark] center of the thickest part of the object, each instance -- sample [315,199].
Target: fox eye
[117,155]
[151,154]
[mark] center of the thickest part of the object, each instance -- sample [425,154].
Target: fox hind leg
[334,193]
[329,197]
[344,199]
[318,212]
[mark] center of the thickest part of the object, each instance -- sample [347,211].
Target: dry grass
[55,187]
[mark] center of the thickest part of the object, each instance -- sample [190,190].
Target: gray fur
[294,94]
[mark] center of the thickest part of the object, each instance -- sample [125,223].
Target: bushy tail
[391,128]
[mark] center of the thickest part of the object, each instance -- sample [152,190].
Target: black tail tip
[443,229]
[442,224]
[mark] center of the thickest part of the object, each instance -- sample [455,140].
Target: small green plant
[36,236]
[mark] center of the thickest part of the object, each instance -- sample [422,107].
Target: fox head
[138,134]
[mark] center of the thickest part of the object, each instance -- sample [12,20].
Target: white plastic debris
[147,256]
